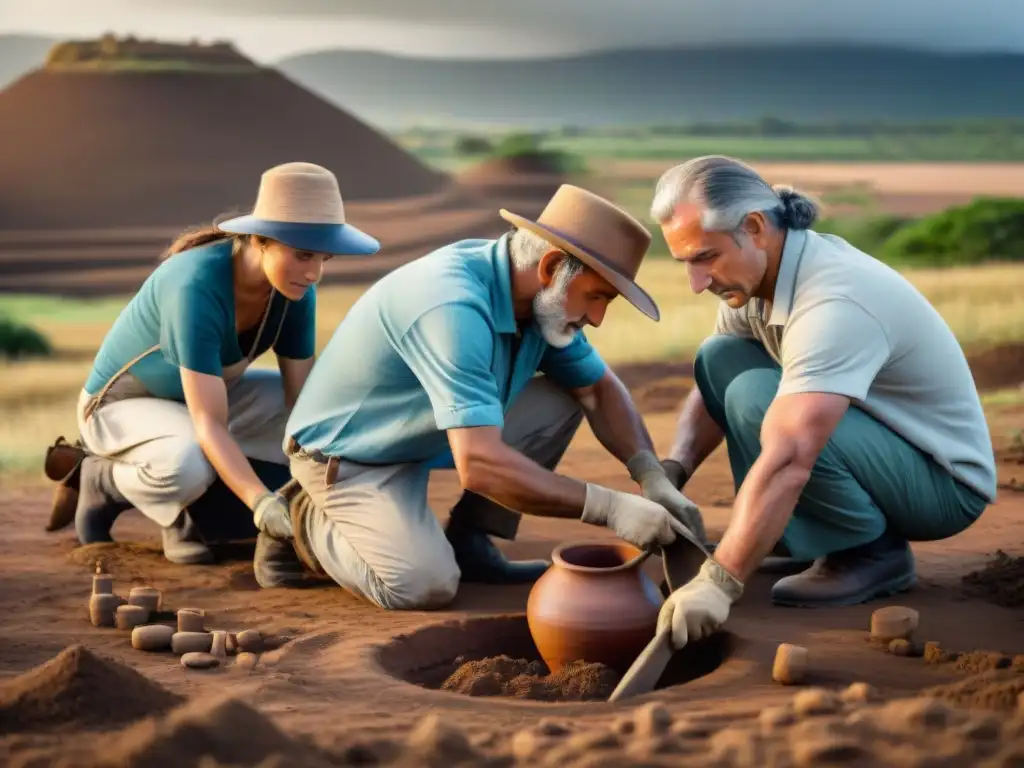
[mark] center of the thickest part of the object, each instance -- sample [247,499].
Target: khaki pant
[374,534]
[160,467]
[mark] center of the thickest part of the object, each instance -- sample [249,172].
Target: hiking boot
[183,543]
[63,465]
[482,562]
[99,501]
[879,568]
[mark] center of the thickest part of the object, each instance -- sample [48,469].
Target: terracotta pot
[593,604]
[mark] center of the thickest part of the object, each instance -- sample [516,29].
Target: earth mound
[80,689]
[1001,581]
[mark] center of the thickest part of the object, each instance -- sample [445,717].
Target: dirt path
[328,682]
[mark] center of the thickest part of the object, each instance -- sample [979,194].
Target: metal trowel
[681,560]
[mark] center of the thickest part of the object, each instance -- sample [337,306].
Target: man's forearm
[517,482]
[614,419]
[697,434]
[762,509]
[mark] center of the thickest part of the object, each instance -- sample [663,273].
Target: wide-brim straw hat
[600,234]
[300,205]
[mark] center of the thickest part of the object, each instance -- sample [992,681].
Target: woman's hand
[207,399]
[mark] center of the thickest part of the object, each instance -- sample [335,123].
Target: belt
[331,463]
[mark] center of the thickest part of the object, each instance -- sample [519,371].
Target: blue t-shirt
[187,306]
[428,348]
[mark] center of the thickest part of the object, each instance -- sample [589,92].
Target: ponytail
[798,210]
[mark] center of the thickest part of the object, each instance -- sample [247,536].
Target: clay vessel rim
[630,564]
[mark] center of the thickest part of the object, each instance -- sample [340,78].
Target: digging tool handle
[645,672]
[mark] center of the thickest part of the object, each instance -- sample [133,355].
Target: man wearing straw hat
[435,367]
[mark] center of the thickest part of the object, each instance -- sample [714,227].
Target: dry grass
[983,305]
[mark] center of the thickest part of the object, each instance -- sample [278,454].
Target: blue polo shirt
[426,349]
[187,306]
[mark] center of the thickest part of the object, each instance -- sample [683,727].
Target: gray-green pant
[372,531]
[866,479]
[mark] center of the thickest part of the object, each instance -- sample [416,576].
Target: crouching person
[434,367]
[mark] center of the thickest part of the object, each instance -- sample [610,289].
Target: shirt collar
[785,283]
[501,288]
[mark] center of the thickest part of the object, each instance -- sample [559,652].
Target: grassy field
[983,305]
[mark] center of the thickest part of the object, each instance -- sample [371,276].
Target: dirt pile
[1001,581]
[520,678]
[996,689]
[79,689]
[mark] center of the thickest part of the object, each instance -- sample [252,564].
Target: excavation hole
[495,657]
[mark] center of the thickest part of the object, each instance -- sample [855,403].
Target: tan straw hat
[300,205]
[598,233]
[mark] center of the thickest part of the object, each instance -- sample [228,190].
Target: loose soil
[336,691]
[1001,581]
[520,678]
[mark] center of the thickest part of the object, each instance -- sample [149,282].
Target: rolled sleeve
[192,322]
[573,366]
[835,347]
[449,350]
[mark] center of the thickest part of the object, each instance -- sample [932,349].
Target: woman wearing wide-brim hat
[171,403]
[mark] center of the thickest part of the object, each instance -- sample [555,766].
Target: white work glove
[272,515]
[656,485]
[700,607]
[632,518]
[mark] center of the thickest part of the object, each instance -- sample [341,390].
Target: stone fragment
[250,640]
[130,616]
[892,622]
[147,597]
[198,660]
[152,637]
[191,620]
[102,607]
[790,666]
[191,642]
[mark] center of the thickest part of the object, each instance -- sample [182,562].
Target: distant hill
[809,83]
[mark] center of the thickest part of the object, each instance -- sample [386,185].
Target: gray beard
[549,312]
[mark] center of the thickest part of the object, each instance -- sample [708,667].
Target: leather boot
[278,563]
[63,465]
[99,501]
[183,543]
[879,568]
[482,562]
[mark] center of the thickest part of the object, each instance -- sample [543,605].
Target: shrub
[19,341]
[472,145]
[868,233]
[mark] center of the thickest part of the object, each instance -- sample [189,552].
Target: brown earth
[351,682]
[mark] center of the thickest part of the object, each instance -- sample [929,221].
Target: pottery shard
[651,720]
[190,620]
[147,597]
[790,666]
[892,622]
[197,660]
[191,642]
[250,640]
[218,644]
[130,616]
[102,608]
[153,637]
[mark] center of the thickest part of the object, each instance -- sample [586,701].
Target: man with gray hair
[850,416]
[434,367]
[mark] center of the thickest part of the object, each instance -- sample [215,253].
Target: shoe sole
[889,588]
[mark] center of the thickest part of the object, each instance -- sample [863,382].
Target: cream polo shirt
[843,322]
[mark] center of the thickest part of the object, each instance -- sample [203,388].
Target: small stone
[152,637]
[191,642]
[197,660]
[892,622]
[246,660]
[191,620]
[432,736]
[790,666]
[815,701]
[250,640]
[548,727]
[651,719]
[774,719]
[102,608]
[859,693]
[900,647]
[218,644]
[147,597]
[130,616]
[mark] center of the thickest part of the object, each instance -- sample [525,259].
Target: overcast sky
[267,30]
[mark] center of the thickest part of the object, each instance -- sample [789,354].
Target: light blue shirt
[426,349]
[187,306]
